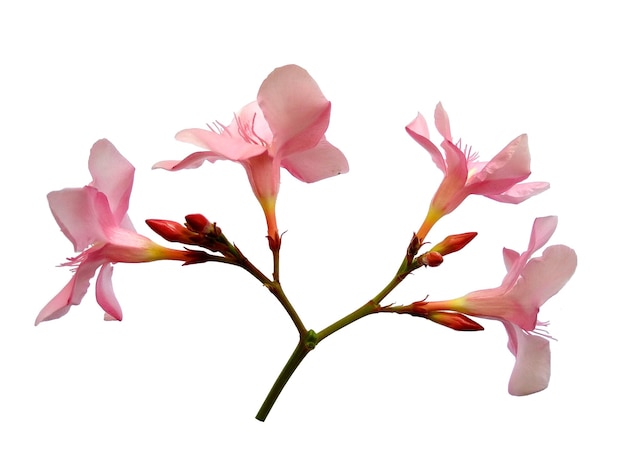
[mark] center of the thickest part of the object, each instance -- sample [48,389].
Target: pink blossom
[284,128]
[528,284]
[498,179]
[94,219]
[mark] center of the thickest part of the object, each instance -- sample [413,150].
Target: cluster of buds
[434,257]
[198,231]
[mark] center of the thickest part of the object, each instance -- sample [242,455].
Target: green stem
[274,286]
[370,307]
[309,339]
[305,345]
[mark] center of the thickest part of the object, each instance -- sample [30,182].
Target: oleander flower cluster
[285,127]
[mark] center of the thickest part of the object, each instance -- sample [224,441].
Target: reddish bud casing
[456,321]
[432,259]
[453,243]
[173,231]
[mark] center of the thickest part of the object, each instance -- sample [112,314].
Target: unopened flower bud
[196,222]
[173,231]
[432,259]
[456,321]
[200,224]
[453,243]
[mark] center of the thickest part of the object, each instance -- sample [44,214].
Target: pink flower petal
[194,160]
[418,130]
[105,295]
[72,293]
[112,175]
[544,276]
[451,191]
[59,305]
[229,146]
[442,122]
[510,257]
[295,109]
[543,229]
[510,166]
[531,372]
[322,161]
[520,192]
[76,212]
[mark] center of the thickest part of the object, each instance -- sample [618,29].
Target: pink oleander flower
[94,219]
[498,179]
[528,284]
[284,128]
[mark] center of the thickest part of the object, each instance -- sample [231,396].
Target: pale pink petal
[510,166]
[322,161]
[418,130]
[442,122]
[451,191]
[295,109]
[74,209]
[456,162]
[544,276]
[520,192]
[73,292]
[531,372]
[112,175]
[229,145]
[105,295]
[192,161]
[510,257]
[126,224]
[420,127]
[59,305]
[543,229]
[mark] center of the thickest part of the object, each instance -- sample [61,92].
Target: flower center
[467,151]
[245,129]
[247,133]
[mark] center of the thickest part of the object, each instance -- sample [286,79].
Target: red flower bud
[432,259]
[200,224]
[456,321]
[173,231]
[453,243]
[197,222]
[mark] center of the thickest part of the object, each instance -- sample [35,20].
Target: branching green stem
[308,341]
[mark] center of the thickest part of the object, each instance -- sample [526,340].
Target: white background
[178,382]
